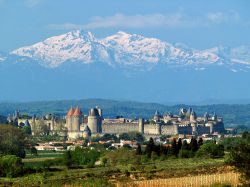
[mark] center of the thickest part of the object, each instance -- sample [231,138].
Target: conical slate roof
[157,113]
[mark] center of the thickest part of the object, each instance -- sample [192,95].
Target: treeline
[182,149]
[123,136]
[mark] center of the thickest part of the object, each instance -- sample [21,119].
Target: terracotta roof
[70,112]
[77,112]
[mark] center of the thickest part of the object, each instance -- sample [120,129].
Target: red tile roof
[77,112]
[70,112]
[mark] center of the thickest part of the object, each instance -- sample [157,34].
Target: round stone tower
[69,119]
[141,125]
[76,120]
[94,121]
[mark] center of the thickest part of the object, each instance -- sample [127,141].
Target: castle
[76,125]
[77,128]
[187,122]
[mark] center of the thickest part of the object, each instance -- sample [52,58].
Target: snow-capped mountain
[127,50]
[73,46]
[123,65]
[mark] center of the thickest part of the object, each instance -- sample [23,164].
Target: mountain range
[77,65]
[123,49]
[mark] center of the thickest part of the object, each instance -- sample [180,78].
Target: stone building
[95,120]
[187,122]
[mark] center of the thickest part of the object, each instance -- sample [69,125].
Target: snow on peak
[75,46]
[126,49]
[135,49]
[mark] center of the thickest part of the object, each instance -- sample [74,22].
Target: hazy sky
[194,23]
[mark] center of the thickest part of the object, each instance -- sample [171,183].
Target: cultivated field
[230,178]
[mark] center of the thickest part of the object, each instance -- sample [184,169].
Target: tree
[33,151]
[210,150]
[12,141]
[138,150]
[200,142]
[245,134]
[10,166]
[124,136]
[164,150]
[27,130]
[231,142]
[185,151]
[185,145]
[174,148]
[239,157]
[107,137]
[157,149]
[132,136]
[179,143]
[150,147]
[194,145]
[68,160]
[136,136]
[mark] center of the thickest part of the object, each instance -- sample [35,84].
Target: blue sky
[198,24]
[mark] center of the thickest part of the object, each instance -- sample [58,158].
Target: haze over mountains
[77,65]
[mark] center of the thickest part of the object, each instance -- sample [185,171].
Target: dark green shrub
[239,157]
[186,153]
[10,166]
[210,150]
[81,156]
[12,141]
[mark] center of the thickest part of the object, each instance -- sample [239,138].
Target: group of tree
[239,157]
[80,156]
[10,166]
[136,136]
[183,149]
[13,141]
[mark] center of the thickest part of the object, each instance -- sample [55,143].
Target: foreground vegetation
[96,166]
[109,175]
